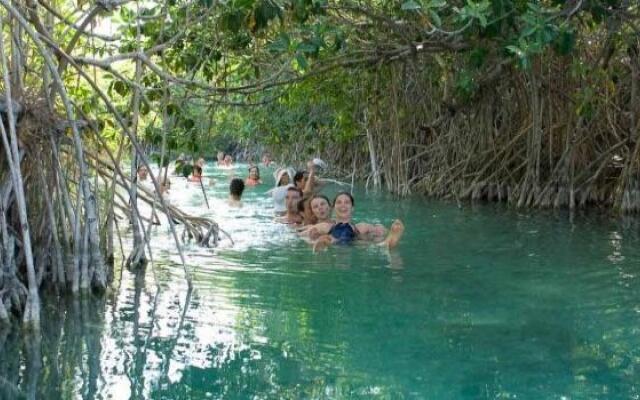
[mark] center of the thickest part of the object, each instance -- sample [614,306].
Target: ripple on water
[477,302]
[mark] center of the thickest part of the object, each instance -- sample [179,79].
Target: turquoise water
[476,302]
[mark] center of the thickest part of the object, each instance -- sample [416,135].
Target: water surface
[476,302]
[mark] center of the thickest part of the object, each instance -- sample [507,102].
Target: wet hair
[257,171]
[236,187]
[298,176]
[304,208]
[320,196]
[295,189]
[345,194]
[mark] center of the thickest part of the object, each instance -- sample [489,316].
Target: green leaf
[483,20]
[232,21]
[516,50]
[478,56]
[243,3]
[565,43]
[302,61]
[410,5]
[144,108]
[435,18]
[172,109]
[280,45]
[189,124]
[308,47]
[120,88]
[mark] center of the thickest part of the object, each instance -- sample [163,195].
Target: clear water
[476,302]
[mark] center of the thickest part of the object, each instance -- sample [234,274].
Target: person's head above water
[283,176]
[343,206]
[300,179]
[293,196]
[197,170]
[236,187]
[254,172]
[321,207]
[165,185]
[142,172]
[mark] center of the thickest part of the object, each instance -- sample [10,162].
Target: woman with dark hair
[254,176]
[236,187]
[343,230]
[300,179]
[196,174]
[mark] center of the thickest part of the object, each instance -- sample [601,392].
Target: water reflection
[476,303]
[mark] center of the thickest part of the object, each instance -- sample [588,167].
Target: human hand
[322,243]
[311,166]
[314,233]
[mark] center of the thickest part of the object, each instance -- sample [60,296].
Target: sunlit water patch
[476,302]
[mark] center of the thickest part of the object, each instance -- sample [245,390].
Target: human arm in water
[313,232]
[371,232]
[374,233]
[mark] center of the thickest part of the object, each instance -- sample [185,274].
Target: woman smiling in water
[254,176]
[344,231]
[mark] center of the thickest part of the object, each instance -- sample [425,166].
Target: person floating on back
[344,231]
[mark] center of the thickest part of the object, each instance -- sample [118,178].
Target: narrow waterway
[476,302]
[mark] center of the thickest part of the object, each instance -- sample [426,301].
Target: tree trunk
[31,316]
[375,170]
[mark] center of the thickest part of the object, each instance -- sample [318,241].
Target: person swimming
[321,208]
[196,174]
[283,177]
[316,210]
[343,230]
[254,176]
[236,187]
[292,199]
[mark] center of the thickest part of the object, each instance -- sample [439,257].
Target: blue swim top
[344,232]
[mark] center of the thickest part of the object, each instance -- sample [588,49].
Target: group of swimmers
[298,202]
